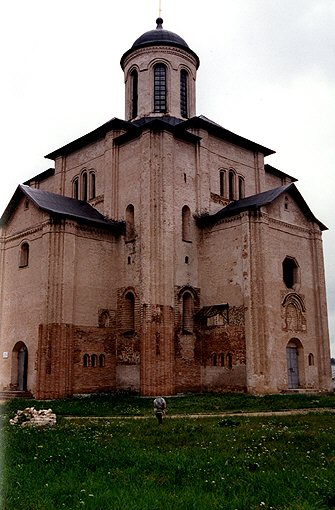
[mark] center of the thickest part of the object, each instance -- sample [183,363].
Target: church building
[160,254]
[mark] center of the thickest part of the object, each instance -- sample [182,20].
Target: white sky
[267,72]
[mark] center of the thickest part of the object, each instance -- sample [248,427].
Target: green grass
[131,405]
[244,463]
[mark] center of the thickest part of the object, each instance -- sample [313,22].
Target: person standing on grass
[159,408]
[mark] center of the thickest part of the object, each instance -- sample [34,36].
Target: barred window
[183,93]
[160,88]
[134,94]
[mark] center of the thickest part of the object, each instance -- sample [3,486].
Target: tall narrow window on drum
[160,88]
[134,94]
[183,93]
[187,319]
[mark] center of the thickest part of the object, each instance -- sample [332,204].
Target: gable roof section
[272,170]
[93,136]
[41,176]
[165,123]
[255,202]
[215,129]
[176,126]
[59,205]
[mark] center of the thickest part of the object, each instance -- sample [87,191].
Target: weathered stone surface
[34,418]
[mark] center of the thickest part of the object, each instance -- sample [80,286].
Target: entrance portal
[292,367]
[20,367]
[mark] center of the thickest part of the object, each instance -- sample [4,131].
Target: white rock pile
[32,417]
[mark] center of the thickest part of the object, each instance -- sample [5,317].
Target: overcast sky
[267,72]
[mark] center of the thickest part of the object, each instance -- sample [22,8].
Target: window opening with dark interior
[129,312]
[240,188]
[186,223]
[24,255]
[187,322]
[231,185]
[130,223]
[183,93]
[222,183]
[160,88]
[84,186]
[75,188]
[92,185]
[290,272]
[134,94]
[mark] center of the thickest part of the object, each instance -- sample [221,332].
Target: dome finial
[159,22]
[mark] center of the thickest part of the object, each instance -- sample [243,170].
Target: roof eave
[88,138]
[223,133]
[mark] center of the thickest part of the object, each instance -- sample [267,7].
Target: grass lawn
[244,463]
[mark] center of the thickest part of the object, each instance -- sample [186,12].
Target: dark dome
[159,36]
[162,37]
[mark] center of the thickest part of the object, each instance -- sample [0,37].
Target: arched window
[134,94]
[221,359]
[75,188]
[186,223]
[240,187]
[311,359]
[187,318]
[84,193]
[222,183]
[102,360]
[94,360]
[129,312]
[24,255]
[92,192]
[183,93]
[86,360]
[231,185]
[130,223]
[230,360]
[214,359]
[290,272]
[160,88]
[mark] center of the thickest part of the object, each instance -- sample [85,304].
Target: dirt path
[212,415]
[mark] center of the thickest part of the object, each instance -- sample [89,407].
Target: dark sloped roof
[59,205]
[167,123]
[41,176]
[255,202]
[178,126]
[159,37]
[93,136]
[272,170]
[215,129]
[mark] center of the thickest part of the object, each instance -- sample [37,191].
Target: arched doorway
[20,366]
[293,349]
